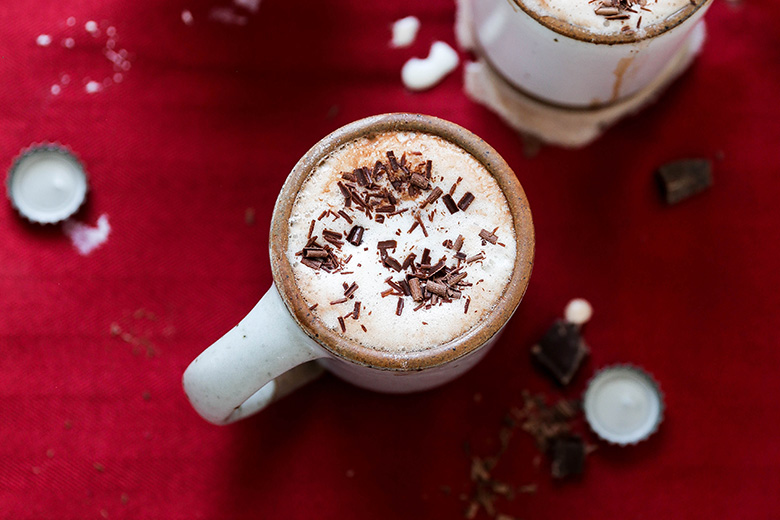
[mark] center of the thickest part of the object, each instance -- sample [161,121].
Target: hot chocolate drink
[401,241]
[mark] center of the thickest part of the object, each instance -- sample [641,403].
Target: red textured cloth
[205,125]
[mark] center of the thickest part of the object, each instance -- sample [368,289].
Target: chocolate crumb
[314,306]
[679,180]
[364,328]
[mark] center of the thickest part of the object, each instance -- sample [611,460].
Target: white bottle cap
[623,404]
[46,183]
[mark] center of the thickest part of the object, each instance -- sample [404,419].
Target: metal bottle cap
[46,183]
[623,404]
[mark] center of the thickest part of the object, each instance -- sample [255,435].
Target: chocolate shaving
[379,218]
[339,301]
[379,167]
[458,243]
[393,162]
[346,216]
[356,311]
[361,177]
[487,235]
[385,208]
[391,262]
[466,307]
[342,324]
[479,256]
[355,236]
[408,261]
[311,229]
[428,167]
[351,290]
[399,308]
[415,290]
[436,288]
[387,244]
[419,180]
[451,206]
[432,197]
[332,234]
[465,201]
[426,256]
[422,226]
[311,263]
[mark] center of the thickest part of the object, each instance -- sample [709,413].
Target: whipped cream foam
[352,260]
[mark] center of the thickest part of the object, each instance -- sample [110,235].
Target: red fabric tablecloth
[204,126]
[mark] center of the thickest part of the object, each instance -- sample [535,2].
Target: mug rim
[479,334]
[576,32]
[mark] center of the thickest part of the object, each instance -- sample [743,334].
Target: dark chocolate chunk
[680,179]
[568,455]
[465,201]
[386,244]
[451,206]
[561,351]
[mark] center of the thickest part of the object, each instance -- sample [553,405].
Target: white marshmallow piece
[87,238]
[405,31]
[578,311]
[422,74]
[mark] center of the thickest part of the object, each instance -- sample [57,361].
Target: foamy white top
[583,14]
[431,325]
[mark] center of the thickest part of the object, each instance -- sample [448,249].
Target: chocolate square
[561,351]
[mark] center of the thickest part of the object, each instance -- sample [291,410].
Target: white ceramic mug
[555,61]
[280,345]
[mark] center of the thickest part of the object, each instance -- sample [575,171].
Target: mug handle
[262,359]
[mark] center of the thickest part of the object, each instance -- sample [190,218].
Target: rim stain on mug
[477,336]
